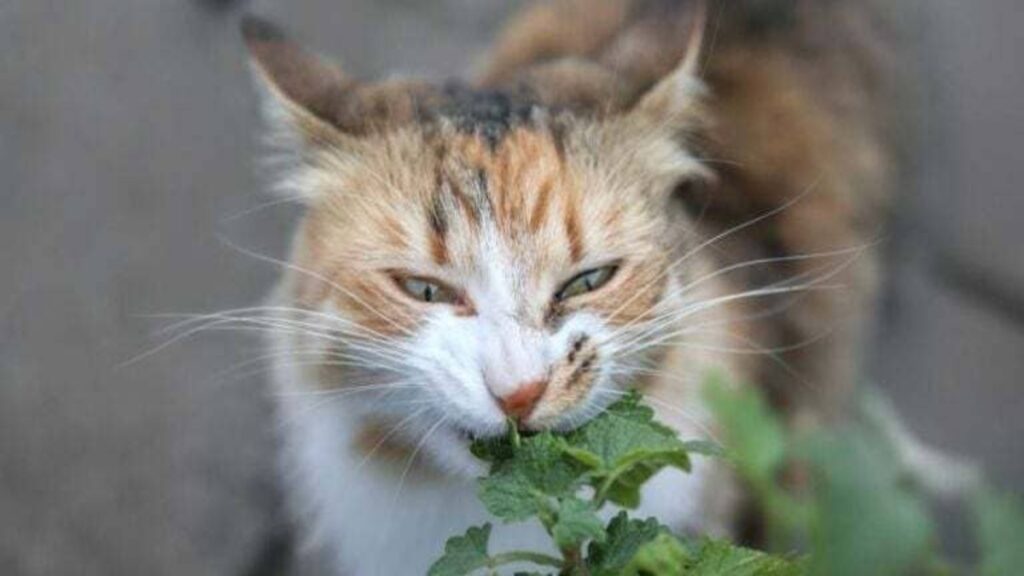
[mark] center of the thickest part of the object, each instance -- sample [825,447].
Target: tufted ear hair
[674,101]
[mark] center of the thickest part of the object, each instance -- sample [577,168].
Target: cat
[631,193]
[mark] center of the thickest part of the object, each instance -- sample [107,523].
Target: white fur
[372,521]
[380,518]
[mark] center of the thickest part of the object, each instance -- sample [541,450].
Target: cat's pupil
[586,282]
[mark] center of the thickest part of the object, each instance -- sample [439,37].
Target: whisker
[704,305]
[854,251]
[776,288]
[329,401]
[293,199]
[235,376]
[325,354]
[721,236]
[344,392]
[690,418]
[333,285]
[282,326]
[405,473]
[274,312]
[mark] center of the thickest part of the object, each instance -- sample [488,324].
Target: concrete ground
[128,132]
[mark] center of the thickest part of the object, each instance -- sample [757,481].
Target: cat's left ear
[674,102]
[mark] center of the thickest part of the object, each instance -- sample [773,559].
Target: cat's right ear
[304,95]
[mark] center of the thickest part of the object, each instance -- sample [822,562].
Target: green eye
[586,282]
[428,291]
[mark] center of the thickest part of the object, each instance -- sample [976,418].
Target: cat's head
[485,253]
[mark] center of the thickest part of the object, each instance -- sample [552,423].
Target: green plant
[563,480]
[860,517]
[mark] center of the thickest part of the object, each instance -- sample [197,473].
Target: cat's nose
[519,404]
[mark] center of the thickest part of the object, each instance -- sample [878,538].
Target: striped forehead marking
[514,187]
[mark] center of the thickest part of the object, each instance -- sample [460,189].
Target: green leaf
[624,540]
[509,495]
[757,445]
[625,431]
[525,483]
[636,548]
[492,450]
[500,448]
[577,522]
[622,485]
[756,439]
[464,554]
[616,454]
[867,520]
[715,558]
[624,448]
[705,448]
[665,555]
[1000,528]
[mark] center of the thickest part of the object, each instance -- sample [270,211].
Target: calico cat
[632,193]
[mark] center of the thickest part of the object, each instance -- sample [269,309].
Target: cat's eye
[586,282]
[429,291]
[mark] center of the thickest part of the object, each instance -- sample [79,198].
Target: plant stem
[786,518]
[601,495]
[521,556]
[573,564]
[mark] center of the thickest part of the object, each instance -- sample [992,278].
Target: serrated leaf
[705,448]
[624,540]
[626,430]
[665,555]
[464,554]
[631,474]
[624,448]
[1000,531]
[716,558]
[526,483]
[510,495]
[577,522]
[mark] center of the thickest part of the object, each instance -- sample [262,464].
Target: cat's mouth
[471,436]
[464,434]
[511,428]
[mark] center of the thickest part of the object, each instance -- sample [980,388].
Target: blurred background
[129,134]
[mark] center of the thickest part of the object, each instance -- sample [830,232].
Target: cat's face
[507,278]
[485,258]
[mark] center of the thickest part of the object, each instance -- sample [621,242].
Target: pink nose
[519,404]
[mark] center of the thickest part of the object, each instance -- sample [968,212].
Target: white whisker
[314,275]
